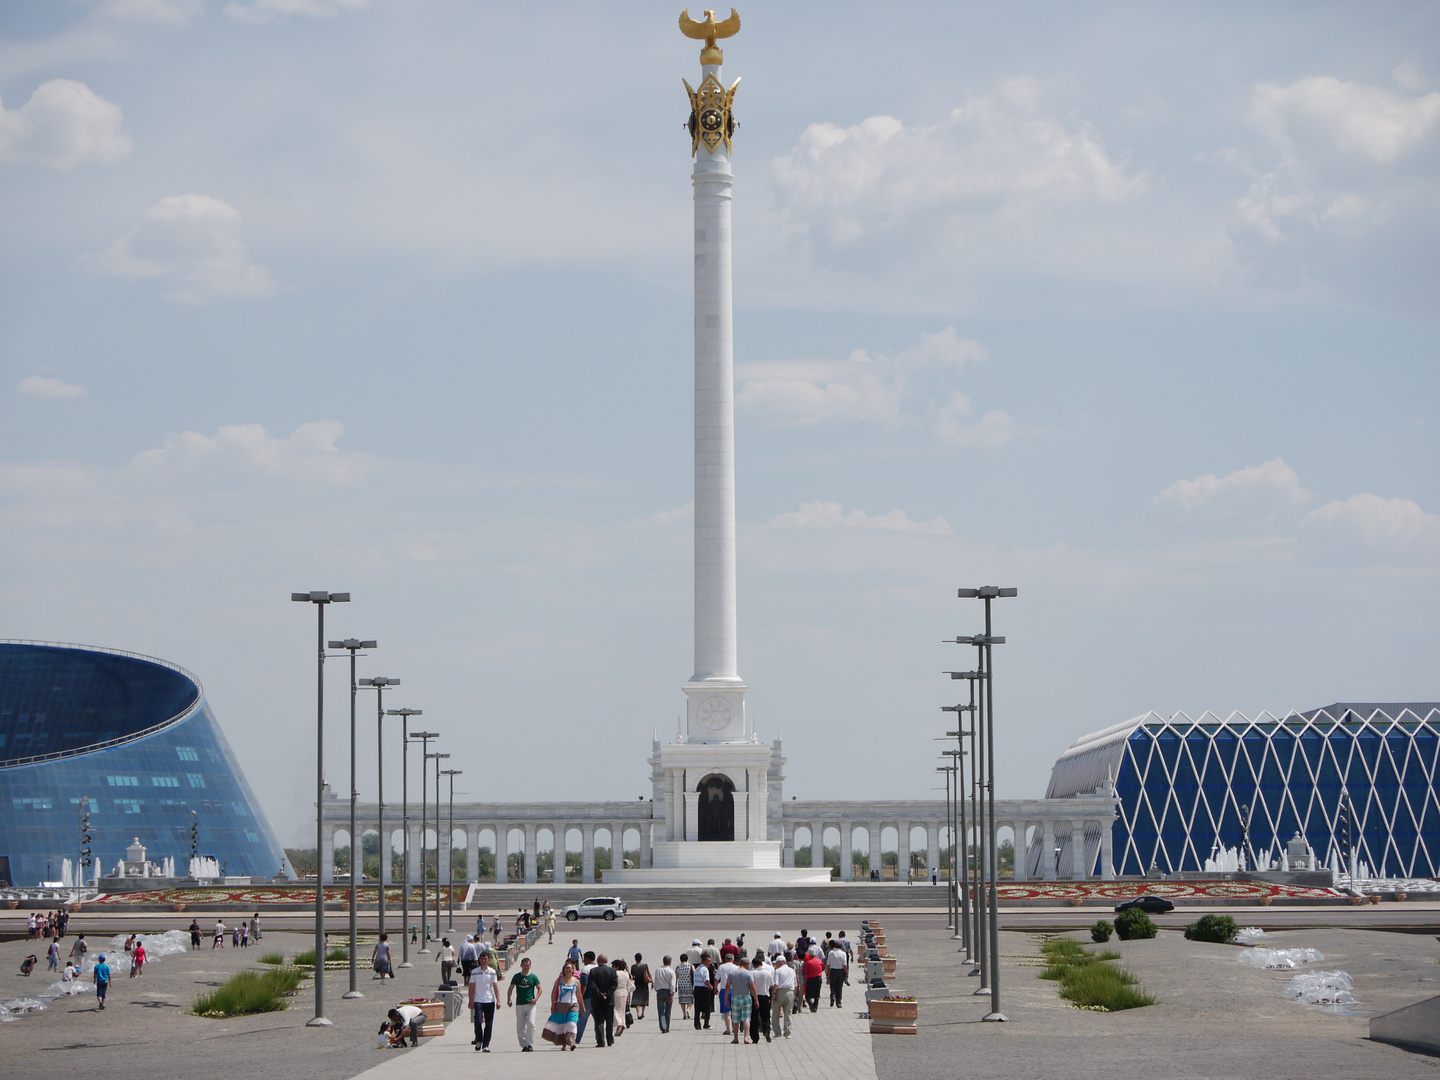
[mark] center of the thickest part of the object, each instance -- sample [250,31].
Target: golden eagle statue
[708,30]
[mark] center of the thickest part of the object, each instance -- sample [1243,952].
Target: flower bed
[257,897]
[1064,891]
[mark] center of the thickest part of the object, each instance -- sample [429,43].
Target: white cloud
[45,387]
[1248,496]
[174,12]
[265,11]
[1342,190]
[997,161]
[907,389]
[64,124]
[308,455]
[195,241]
[829,515]
[1355,119]
[1388,525]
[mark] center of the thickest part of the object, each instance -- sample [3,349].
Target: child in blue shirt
[102,979]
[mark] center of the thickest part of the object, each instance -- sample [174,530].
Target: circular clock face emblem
[714,714]
[711,120]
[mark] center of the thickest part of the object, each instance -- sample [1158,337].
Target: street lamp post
[967,937]
[354,645]
[320,598]
[951,919]
[382,868]
[423,738]
[977,942]
[437,757]
[988,593]
[405,715]
[450,831]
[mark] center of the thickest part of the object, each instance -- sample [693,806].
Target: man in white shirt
[704,996]
[722,989]
[776,947]
[469,957]
[837,968]
[782,998]
[665,981]
[762,979]
[411,1019]
[484,1000]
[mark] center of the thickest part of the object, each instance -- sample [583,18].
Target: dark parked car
[1151,905]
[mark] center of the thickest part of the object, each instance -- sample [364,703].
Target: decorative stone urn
[177,906]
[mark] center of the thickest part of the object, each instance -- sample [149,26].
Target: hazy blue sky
[1130,306]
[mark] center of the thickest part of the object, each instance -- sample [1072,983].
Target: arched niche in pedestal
[715,813]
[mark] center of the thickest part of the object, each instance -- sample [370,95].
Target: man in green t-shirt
[524,995]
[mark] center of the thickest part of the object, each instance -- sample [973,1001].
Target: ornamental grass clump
[307,958]
[1221,929]
[1089,980]
[275,959]
[249,992]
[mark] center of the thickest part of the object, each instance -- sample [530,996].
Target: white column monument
[716,771]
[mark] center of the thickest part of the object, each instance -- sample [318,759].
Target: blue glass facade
[132,740]
[1184,786]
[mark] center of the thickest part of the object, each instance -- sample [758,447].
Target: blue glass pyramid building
[1184,786]
[133,740]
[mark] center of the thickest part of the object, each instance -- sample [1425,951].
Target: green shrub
[1101,931]
[273,958]
[1220,929]
[249,992]
[1132,924]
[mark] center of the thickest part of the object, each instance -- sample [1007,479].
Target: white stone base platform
[734,862]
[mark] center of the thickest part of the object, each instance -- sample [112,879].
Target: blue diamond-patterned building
[131,739]
[1184,786]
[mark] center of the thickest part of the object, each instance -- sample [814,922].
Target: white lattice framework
[1183,784]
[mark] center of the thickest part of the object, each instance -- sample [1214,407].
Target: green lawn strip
[1089,979]
[248,992]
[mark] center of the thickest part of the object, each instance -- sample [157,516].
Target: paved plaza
[1216,1018]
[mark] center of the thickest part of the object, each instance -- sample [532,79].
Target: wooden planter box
[894,1017]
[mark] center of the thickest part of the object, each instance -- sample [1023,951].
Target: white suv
[608,908]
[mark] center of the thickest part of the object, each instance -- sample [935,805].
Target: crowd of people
[750,995]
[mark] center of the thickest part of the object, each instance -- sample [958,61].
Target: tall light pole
[967,938]
[437,757]
[382,868]
[979,954]
[450,831]
[405,715]
[988,593]
[950,923]
[423,738]
[320,598]
[357,851]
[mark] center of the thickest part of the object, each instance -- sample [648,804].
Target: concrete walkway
[832,1044]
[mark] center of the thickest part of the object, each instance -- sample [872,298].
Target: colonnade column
[1022,852]
[1047,851]
[645,827]
[557,854]
[877,866]
[502,853]
[412,869]
[932,850]
[531,865]
[587,853]
[1078,870]
[902,851]
[847,853]
[817,844]
[472,851]
[1107,850]
[326,869]
[787,844]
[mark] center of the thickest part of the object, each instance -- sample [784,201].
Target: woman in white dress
[623,985]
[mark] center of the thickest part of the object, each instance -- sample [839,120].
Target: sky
[1131,307]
